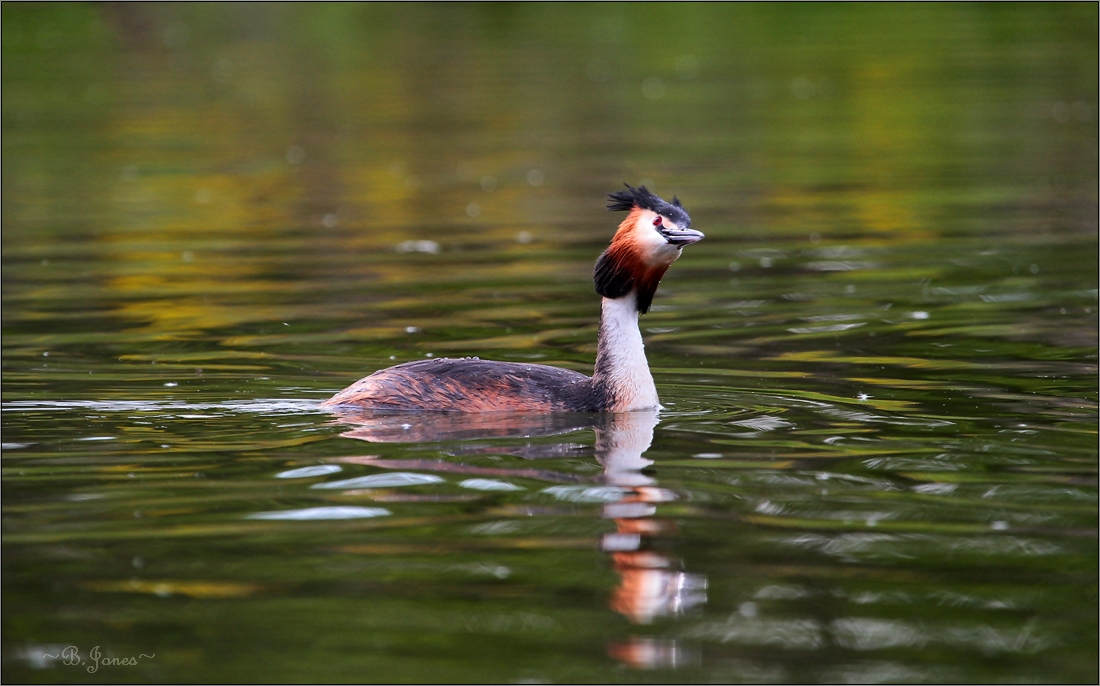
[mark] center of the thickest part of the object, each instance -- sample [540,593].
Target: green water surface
[877,457]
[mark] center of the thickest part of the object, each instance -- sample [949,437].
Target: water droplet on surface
[321,513]
[306,472]
[388,480]
[489,485]
[295,154]
[653,88]
[222,71]
[687,67]
[430,247]
[801,88]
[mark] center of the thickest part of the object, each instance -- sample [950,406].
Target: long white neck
[620,360]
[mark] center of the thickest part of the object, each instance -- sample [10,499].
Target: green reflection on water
[879,370]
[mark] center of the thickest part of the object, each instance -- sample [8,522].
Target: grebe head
[647,242]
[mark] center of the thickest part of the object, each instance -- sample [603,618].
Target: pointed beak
[682,237]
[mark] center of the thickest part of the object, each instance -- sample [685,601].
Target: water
[877,458]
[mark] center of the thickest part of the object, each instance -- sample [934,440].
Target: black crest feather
[624,201]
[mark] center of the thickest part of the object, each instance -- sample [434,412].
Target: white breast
[624,354]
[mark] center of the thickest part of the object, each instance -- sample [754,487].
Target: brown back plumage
[473,385]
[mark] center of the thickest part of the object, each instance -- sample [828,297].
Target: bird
[626,275]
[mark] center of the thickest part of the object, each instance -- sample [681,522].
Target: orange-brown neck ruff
[625,266]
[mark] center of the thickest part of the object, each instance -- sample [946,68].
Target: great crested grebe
[647,242]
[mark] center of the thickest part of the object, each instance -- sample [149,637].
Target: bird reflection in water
[651,585]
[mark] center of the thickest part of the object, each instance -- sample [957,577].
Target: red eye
[657,221]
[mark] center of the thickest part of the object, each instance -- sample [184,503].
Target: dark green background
[879,369]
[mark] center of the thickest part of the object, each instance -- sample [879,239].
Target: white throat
[620,360]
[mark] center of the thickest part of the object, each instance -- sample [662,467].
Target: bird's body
[471,385]
[626,275]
